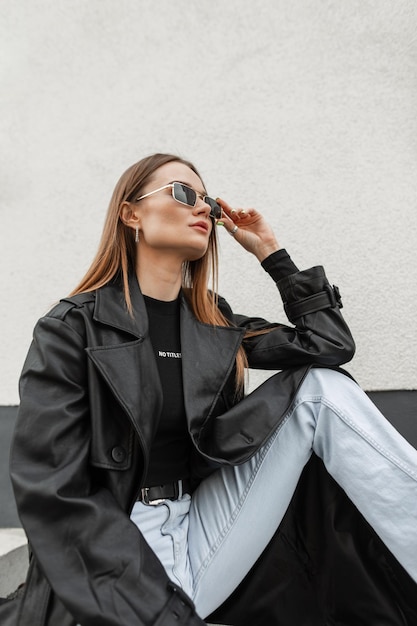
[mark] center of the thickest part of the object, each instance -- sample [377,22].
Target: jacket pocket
[112,448]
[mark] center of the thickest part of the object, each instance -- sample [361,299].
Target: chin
[196,255]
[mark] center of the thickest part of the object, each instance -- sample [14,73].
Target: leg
[199,540]
[369,459]
[235,512]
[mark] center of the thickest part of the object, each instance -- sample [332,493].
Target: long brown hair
[117,253]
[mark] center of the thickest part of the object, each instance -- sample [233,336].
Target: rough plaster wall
[304,109]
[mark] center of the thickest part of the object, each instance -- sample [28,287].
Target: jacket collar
[111,309]
[208,357]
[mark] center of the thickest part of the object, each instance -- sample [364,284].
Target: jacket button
[118,454]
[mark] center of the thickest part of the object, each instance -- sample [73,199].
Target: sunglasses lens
[216,210]
[184,194]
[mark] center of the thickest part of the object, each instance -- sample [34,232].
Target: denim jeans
[208,542]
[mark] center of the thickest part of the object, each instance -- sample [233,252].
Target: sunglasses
[186,195]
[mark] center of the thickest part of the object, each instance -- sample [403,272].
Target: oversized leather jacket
[90,403]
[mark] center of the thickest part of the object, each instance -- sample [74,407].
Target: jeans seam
[362,433]
[229,524]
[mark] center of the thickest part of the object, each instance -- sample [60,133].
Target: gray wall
[304,109]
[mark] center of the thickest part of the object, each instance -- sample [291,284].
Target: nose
[201,207]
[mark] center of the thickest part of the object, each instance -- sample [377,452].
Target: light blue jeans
[209,542]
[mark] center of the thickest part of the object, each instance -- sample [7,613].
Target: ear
[129,215]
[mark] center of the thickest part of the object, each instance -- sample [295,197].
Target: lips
[202,225]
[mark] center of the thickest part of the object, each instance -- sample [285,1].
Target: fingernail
[220,223]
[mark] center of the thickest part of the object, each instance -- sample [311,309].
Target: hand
[253,232]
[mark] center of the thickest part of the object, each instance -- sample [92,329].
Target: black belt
[170,491]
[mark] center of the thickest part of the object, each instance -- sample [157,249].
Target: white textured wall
[305,109]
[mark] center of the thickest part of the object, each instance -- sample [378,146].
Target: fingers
[233,214]
[235,217]
[228,225]
[249,228]
[229,217]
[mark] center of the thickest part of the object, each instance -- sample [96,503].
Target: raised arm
[319,333]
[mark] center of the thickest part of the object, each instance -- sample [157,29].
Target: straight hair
[116,254]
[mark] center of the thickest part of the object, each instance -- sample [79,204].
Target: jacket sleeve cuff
[307,292]
[279,265]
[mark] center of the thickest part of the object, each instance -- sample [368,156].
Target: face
[168,227]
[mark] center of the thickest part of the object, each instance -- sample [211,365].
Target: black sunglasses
[186,195]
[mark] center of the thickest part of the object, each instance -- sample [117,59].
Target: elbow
[337,353]
[346,352]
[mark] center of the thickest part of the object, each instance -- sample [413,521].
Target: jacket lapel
[208,356]
[129,368]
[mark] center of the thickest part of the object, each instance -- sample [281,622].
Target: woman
[147,483]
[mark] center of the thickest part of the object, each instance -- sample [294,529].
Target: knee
[328,381]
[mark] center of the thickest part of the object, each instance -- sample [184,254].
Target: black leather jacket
[90,401]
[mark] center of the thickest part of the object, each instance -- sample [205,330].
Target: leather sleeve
[94,558]
[319,333]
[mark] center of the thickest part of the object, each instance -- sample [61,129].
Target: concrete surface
[13,559]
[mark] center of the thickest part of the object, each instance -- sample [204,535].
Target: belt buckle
[178,492]
[145,498]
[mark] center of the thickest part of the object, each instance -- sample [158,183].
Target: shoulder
[70,315]
[64,308]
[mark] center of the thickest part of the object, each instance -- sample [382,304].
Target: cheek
[158,222]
